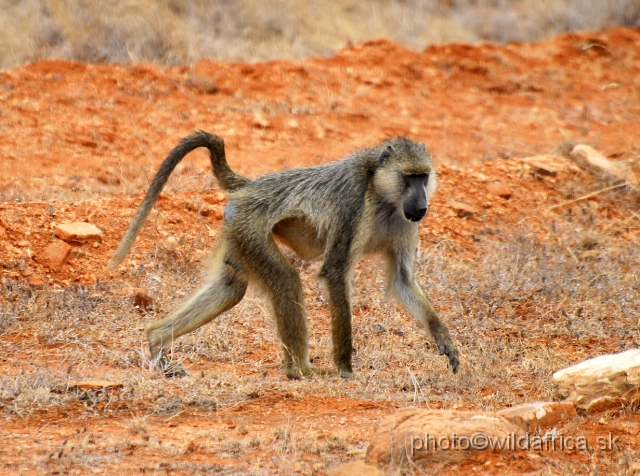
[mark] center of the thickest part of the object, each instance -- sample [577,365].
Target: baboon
[368,202]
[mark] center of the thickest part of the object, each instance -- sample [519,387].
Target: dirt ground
[81,142]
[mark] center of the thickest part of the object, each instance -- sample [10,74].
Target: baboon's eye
[416,178]
[416,183]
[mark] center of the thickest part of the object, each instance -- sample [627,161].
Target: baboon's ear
[386,154]
[424,147]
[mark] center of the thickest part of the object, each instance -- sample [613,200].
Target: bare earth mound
[530,259]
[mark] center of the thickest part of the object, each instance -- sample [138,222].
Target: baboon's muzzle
[415,204]
[415,214]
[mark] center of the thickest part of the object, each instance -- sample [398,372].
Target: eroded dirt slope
[81,142]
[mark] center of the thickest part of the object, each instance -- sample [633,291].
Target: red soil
[98,133]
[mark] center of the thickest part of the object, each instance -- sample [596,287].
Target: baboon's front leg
[336,274]
[340,308]
[403,286]
[224,291]
[436,327]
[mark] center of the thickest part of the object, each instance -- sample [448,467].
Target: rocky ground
[532,261]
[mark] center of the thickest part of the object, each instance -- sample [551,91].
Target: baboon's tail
[227,179]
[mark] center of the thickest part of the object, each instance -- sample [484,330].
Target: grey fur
[369,202]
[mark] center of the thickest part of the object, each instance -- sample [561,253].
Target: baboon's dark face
[415,204]
[405,178]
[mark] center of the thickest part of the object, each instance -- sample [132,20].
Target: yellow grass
[178,32]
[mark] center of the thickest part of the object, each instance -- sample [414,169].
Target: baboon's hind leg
[280,280]
[225,289]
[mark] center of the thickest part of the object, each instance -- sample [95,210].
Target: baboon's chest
[386,233]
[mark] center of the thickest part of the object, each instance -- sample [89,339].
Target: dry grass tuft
[172,32]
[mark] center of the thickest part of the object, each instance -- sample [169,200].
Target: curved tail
[227,179]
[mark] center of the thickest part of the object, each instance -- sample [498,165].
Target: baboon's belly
[301,237]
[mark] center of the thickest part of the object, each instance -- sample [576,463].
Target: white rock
[601,383]
[78,232]
[544,164]
[535,415]
[463,210]
[590,159]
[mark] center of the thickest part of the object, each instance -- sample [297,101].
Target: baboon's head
[405,177]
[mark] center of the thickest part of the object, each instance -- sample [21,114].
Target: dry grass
[176,32]
[513,312]
[519,311]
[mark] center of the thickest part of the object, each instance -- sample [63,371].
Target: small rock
[9,247]
[601,383]
[463,210]
[204,209]
[140,296]
[373,80]
[590,159]
[57,254]
[544,164]
[260,122]
[499,189]
[78,232]
[142,300]
[416,438]
[355,468]
[108,179]
[201,86]
[34,280]
[22,243]
[532,416]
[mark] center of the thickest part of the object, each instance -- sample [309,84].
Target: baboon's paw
[167,367]
[452,354]
[346,374]
[296,373]
[344,369]
[446,347]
